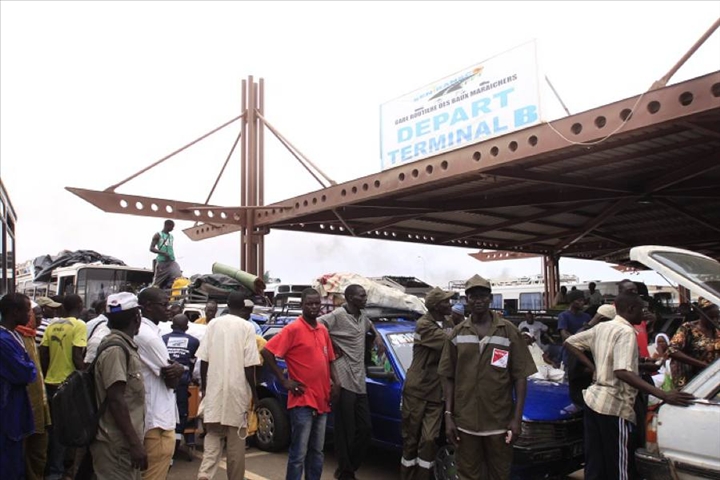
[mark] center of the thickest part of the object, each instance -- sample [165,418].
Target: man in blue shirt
[572,320]
[181,348]
[17,370]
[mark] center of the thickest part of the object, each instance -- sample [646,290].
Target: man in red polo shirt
[306,347]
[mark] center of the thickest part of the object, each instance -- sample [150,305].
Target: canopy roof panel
[638,171]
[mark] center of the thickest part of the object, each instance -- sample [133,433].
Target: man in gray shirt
[348,327]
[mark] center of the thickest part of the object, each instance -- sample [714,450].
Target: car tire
[273,433]
[445,467]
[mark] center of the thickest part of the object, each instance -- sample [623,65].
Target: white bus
[91,281]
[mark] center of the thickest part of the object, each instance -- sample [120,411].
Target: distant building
[7,242]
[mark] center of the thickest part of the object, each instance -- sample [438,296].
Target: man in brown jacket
[422,397]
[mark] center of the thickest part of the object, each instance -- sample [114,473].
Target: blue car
[551,443]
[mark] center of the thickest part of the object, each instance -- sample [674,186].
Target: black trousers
[609,447]
[353,432]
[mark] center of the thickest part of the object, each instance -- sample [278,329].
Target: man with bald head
[182,348]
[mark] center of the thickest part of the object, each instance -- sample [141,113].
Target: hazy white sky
[91,92]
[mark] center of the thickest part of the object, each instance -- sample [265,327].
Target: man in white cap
[483,363]
[422,397]
[118,452]
[457,316]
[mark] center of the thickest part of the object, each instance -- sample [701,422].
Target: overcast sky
[91,92]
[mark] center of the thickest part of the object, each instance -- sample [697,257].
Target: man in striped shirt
[50,310]
[609,414]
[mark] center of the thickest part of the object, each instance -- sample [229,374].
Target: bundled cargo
[217,286]
[248,280]
[332,287]
[44,266]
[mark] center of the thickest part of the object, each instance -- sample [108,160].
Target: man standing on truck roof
[610,416]
[349,326]
[166,268]
[483,363]
[306,347]
[422,398]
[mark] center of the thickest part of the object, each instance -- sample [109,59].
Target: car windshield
[701,271]
[402,345]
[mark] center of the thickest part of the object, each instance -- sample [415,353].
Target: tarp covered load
[218,286]
[68,259]
[334,285]
[250,281]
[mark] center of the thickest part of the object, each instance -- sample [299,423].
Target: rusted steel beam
[653,109]
[684,173]
[203,232]
[557,180]
[112,202]
[691,51]
[524,199]
[608,212]
[514,221]
[694,216]
[496,256]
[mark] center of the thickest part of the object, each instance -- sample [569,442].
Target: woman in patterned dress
[696,344]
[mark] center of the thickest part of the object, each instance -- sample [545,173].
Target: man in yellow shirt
[211,308]
[61,353]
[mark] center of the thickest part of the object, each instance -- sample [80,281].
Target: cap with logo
[437,295]
[476,281]
[121,302]
[48,302]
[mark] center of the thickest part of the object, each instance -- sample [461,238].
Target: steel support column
[551,277]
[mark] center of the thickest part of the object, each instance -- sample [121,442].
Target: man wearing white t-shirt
[228,352]
[160,376]
[97,329]
[535,328]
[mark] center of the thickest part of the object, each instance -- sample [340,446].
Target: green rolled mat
[253,282]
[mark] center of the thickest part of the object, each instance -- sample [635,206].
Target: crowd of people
[469,374]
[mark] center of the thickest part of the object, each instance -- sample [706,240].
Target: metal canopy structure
[642,170]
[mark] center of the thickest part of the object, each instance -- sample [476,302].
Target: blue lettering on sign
[435,142]
[479,107]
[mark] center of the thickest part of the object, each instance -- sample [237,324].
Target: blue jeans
[306,443]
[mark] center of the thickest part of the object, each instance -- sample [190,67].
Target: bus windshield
[95,284]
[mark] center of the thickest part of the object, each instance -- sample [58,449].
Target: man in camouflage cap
[422,397]
[483,362]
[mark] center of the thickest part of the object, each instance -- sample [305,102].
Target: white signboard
[492,98]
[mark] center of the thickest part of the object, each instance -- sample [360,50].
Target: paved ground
[380,465]
[261,465]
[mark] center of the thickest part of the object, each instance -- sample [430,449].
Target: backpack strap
[91,370]
[92,332]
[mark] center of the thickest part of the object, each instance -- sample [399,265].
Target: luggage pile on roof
[333,286]
[44,265]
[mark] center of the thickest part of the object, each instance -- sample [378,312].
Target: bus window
[97,283]
[531,301]
[497,301]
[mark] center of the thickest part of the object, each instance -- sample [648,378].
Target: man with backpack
[118,451]
[61,353]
